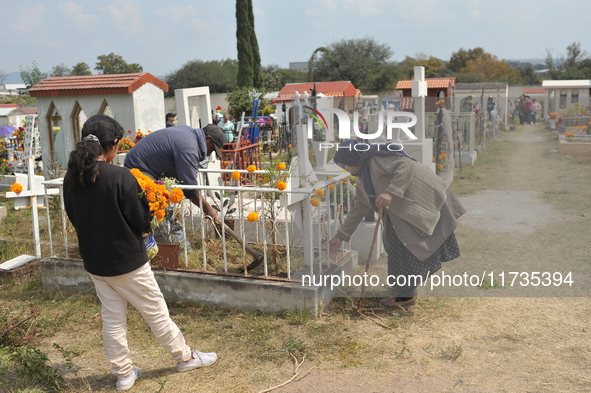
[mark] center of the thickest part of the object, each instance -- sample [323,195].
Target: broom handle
[373,244]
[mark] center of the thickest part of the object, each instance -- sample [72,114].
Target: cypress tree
[257,74]
[249,59]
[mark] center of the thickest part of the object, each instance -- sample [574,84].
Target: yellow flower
[319,193]
[16,188]
[251,168]
[314,202]
[281,185]
[252,217]
[281,166]
[331,187]
[235,175]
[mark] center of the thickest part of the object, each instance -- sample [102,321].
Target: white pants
[141,290]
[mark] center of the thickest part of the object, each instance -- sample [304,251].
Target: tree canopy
[60,70]
[114,64]
[434,67]
[362,61]
[81,69]
[31,75]
[220,76]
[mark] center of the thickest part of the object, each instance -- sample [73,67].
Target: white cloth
[140,288]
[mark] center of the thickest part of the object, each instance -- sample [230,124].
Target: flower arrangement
[553,115]
[129,141]
[158,196]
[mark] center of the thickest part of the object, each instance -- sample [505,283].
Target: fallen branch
[34,313]
[293,377]
[375,321]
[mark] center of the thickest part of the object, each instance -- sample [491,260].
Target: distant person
[536,108]
[490,107]
[527,110]
[228,128]
[102,201]
[170,119]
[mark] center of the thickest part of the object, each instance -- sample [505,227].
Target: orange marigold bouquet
[161,202]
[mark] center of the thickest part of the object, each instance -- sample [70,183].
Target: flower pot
[168,255]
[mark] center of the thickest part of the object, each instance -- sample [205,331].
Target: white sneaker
[199,360]
[127,383]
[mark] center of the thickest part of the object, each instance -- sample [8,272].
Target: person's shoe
[199,360]
[127,383]
[393,302]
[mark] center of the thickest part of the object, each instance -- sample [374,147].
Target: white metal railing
[284,221]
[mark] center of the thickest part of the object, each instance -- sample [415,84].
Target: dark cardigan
[109,218]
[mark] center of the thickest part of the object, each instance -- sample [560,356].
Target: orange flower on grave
[176,195]
[314,202]
[251,168]
[281,185]
[235,175]
[154,206]
[16,188]
[252,217]
[151,196]
[331,187]
[439,166]
[319,193]
[281,166]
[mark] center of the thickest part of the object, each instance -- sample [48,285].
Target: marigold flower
[135,172]
[444,156]
[154,206]
[331,187]
[281,166]
[176,195]
[345,180]
[16,188]
[319,193]
[251,168]
[160,214]
[235,175]
[150,196]
[314,202]
[281,185]
[252,217]
[439,166]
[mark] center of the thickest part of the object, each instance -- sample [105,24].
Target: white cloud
[176,13]
[34,17]
[74,12]
[127,15]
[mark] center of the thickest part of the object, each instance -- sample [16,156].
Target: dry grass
[442,345]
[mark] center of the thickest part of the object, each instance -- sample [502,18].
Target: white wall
[148,102]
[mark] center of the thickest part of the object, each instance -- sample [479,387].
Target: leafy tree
[311,62]
[434,67]
[249,58]
[240,101]
[459,59]
[220,76]
[60,70]
[274,78]
[114,64]
[31,75]
[464,77]
[529,76]
[360,61]
[81,69]
[493,69]
[573,54]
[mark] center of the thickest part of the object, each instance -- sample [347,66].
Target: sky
[164,35]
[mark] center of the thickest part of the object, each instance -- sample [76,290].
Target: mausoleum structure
[136,101]
[560,94]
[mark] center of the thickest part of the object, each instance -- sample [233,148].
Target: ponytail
[99,132]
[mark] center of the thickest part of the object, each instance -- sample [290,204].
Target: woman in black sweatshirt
[103,203]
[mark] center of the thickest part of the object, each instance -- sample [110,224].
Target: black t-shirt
[109,218]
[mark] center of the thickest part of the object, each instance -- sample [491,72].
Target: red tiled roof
[94,85]
[534,91]
[331,89]
[29,111]
[8,106]
[432,83]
